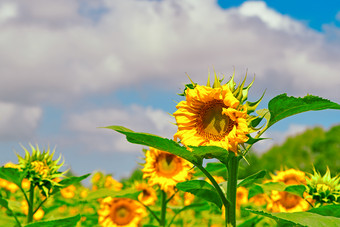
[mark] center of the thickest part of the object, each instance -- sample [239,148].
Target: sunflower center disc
[212,123]
[168,165]
[123,215]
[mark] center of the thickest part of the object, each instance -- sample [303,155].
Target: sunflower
[148,195]
[120,212]
[68,192]
[241,196]
[290,176]
[286,202]
[215,116]
[165,169]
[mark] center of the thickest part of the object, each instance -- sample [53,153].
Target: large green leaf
[302,218]
[64,222]
[329,210]
[201,189]
[158,143]
[283,106]
[13,175]
[252,178]
[296,189]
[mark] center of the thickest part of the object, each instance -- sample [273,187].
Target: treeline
[314,147]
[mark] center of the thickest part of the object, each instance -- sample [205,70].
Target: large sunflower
[120,212]
[211,116]
[165,169]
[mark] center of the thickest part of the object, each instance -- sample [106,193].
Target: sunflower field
[206,175]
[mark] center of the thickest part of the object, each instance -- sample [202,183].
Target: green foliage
[12,174]
[252,178]
[302,218]
[214,168]
[201,189]
[64,222]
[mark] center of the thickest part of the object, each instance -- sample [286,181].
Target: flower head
[148,195]
[324,189]
[290,176]
[41,168]
[215,116]
[165,169]
[286,202]
[120,212]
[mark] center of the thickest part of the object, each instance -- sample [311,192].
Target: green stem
[30,204]
[230,210]
[217,187]
[163,211]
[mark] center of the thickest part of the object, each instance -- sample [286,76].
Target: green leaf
[157,142]
[302,218]
[255,190]
[252,140]
[329,210]
[283,106]
[64,222]
[13,175]
[201,189]
[277,186]
[69,181]
[211,152]
[252,178]
[296,189]
[72,180]
[251,222]
[104,192]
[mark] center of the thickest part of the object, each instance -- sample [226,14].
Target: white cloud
[51,52]
[137,118]
[8,11]
[18,122]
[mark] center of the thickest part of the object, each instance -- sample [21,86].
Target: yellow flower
[165,169]
[188,198]
[25,183]
[241,196]
[68,192]
[41,168]
[290,176]
[120,212]
[211,117]
[259,200]
[112,183]
[286,202]
[148,195]
[37,215]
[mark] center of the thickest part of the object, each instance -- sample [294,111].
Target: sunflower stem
[30,204]
[163,211]
[217,187]
[230,209]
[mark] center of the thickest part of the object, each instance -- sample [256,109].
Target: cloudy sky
[68,67]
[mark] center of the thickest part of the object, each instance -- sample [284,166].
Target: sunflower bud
[41,168]
[324,189]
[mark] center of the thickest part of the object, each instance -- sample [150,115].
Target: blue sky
[69,67]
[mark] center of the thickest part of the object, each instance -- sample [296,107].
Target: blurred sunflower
[148,195]
[289,177]
[111,183]
[38,215]
[215,116]
[241,196]
[165,169]
[286,202]
[68,192]
[120,212]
